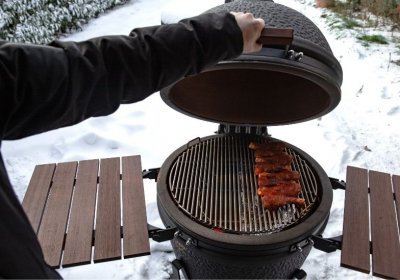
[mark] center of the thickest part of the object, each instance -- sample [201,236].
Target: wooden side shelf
[98,206]
[371,223]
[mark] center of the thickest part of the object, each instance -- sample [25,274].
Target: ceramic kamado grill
[207,188]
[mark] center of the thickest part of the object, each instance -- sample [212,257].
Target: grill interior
[213,182]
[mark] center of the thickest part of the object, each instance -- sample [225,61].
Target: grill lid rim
[306,74]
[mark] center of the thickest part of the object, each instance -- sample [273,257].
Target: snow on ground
[363,131]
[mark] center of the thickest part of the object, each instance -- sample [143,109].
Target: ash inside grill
[213,182]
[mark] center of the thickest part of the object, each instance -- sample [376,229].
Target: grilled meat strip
[268,146]
[281,159]
[290,188]
[268,153]
[268,182]
[274,201]
[271,168]
[283,175]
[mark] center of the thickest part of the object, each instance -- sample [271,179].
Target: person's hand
[251,29]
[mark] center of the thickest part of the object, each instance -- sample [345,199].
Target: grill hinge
[253,130]
[327,245]
[161,235]
[152,173]
[337,184]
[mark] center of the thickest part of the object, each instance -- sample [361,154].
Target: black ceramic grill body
[279,85]
[200,263]
[282,84]
[207,253]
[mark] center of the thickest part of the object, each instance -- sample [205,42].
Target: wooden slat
[36,195]
[384,231]
[396,188]
[78,243]
[52,230]
[135,233]
[108,219]
[355,244]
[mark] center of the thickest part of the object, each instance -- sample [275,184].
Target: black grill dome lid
[294,78]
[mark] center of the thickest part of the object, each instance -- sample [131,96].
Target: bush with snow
[41,21]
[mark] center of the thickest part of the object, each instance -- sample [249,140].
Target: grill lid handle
[272,36]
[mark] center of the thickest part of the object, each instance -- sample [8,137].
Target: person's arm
[48,87]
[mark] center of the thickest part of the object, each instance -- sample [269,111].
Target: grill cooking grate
[213,182]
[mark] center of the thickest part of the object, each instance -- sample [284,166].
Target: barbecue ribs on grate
[278,184]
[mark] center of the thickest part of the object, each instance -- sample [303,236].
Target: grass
[377,39]
[350,23]
[344,17]
[397,62]
[341,22]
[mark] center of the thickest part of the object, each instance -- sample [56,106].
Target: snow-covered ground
[363,131]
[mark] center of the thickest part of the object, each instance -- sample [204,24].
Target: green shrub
[41,21]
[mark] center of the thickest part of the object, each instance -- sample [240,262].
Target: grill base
[201,263]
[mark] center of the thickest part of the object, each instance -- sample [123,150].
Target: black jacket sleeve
[48,87]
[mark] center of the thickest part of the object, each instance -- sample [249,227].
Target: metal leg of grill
[178,269]
[299,274]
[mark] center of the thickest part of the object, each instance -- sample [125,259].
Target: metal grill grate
[213,182]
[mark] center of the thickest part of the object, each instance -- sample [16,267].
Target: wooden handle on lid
[272,36]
